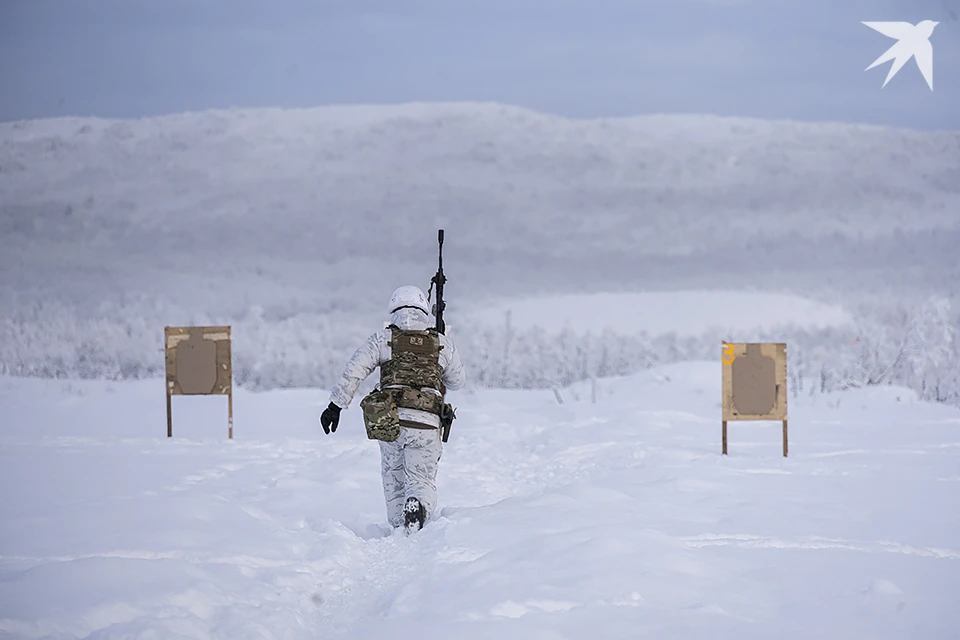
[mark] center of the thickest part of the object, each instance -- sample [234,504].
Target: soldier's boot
[414,514]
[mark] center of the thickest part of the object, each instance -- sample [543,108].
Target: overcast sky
[801,59]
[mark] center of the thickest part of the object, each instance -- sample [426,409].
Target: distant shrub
[891,344]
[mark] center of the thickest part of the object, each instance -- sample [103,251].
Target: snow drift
[617,519]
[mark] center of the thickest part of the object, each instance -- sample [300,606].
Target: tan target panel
[198,362]
[754,384]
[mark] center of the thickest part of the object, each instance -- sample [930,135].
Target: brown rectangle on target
[755,381]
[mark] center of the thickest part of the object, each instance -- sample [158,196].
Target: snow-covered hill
[617,519]
[295,225]
[332,196]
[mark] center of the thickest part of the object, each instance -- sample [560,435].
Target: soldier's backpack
[414,359]
[413,366]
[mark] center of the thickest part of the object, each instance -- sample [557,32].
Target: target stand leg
[784,438]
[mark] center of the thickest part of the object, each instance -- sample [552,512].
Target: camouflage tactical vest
[414,364]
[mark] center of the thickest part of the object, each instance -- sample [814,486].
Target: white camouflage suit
[409,464]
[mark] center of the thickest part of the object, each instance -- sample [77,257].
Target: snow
[613,519]
[560,517]
[691,312]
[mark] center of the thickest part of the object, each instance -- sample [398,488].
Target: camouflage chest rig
[414,365]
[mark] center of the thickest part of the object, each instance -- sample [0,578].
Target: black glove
[330,418]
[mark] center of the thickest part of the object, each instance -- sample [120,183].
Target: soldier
[418,364]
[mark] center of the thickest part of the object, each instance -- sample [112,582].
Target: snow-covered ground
[614,519]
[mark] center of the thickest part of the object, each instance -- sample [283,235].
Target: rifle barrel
[439,279]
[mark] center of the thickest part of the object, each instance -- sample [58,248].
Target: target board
[198,362]
[754,384]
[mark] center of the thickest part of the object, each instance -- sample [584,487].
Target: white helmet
[409,296]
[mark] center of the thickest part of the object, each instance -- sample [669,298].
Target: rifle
[447,413]
[439,280]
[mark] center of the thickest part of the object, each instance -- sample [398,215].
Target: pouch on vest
[380,416]
[407,398]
